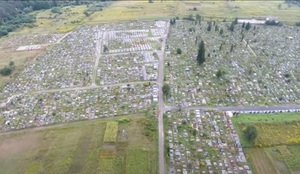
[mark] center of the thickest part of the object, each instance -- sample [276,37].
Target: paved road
[236,108]
[161,105]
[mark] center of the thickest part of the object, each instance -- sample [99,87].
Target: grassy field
[243,9]
[267,118]
[278,139]
[260,161]
[273,129]
[122,11]
[48,22]
[79,148]
[209,10]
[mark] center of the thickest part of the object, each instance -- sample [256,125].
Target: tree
[250,133]
[201,53]
[220,73]
[231,28]
[216,28]
[11,63]
[243,25]
[231,49]
[235,21]
[178,51]
[209,27]
[198,17]
[6,71]
[105,49]
[248,26]
[166,90]
[221,31]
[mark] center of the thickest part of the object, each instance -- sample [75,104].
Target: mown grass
[78,148]
[228,10]
[293,159]
[137,161]
[261,163]
[267,118]
[122,11]
[278,162]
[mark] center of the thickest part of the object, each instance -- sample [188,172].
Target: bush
[250,133]
[56,10]
[3,32]
[178,51]
[6,71]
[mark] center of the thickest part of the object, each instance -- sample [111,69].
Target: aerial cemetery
[200,141]
[68,83]
[128,67]
[244,64]
[63,106]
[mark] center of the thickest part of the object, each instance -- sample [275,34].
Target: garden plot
[203,141]
[46,108]
[129,67]
[254,70]
[68,64]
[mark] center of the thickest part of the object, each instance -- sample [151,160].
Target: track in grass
[260,161]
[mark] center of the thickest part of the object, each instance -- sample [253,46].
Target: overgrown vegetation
[92,8]
[17,14]
[166,90]
[111,132]
[149,126]
[250,133]
[7,70]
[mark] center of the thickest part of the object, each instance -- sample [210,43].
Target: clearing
[79,147]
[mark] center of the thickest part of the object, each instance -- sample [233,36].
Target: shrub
[178,51]
[3,32]
[6,71]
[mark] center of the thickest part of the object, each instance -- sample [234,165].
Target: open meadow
[276,147]
[114,145]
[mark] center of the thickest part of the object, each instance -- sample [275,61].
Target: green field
[267,118]
[111,132]
[273,129]
[80,148]
[278,141]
